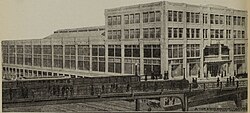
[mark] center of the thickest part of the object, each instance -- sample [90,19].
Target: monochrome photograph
[124,56]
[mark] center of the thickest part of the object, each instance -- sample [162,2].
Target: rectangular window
[175,32]
[234,20]
[180,15]
[169,32]
[152,33]
[216,33]
[175,16]
[239,34]
[131,33]
[158,16]
[114,33]
[221,33]
[137,18]
[212,33]
[158,32]
[145,17]
[204,18]
[192,33]
[243,21]
[119,20]
[197,18]
[235,34]
[152,16]
[145,33]
[131,18]
[243,34]
[180,32]
[188,17]
[217,19]
[170,15]
[119,34]
[109,20]
[211,18]
[126,34]
[192,17]
[137,33]
[126,19]
[221,19]
[197,33]
[239,21]
[114,19]
[109,34]
[188,33]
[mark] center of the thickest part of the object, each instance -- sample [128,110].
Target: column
[106,58]
[122,58]
[76,46]
[90,57]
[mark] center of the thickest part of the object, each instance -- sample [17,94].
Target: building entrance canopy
[218,61]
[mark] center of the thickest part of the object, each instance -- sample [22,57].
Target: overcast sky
[34,19]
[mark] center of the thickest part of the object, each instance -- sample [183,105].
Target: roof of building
[159,3]
[89,33]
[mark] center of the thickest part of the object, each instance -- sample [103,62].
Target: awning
[218,61]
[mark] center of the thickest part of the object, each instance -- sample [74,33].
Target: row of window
[132,18]
[175,16]
[238,34]
[193,17]
[152,16]
[114,34]
[175,32]
[131,33]
[175,51]
[217,33]
[239,49]
[114,20]
[151,32]
[193,50]
[193,33]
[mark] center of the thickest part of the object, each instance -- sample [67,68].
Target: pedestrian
[218,82]
[230,80]
[233,81]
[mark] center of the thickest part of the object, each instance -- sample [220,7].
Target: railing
[218,85]
[65,91]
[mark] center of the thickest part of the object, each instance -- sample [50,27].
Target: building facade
[161,38]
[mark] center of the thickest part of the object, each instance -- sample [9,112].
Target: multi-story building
[164,38]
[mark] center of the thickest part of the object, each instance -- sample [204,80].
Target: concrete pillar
[141,59]
[63,53]
[137,105]
[106,58]
[76,65]
[52,55]
[90,57]
[185,103]
[122,59]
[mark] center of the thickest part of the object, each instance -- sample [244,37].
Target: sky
[36,19]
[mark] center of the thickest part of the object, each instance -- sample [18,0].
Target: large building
[161,38]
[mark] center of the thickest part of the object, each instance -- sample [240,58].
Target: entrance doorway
[214,69]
